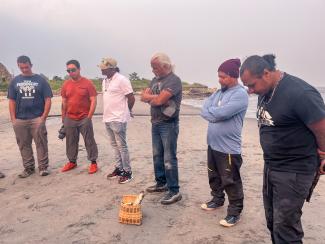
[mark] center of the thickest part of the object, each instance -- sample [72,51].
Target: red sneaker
[92,169]
[68,166]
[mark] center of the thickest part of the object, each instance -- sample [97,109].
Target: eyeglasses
[71,70]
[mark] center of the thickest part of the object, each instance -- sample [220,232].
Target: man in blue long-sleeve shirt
[225,111]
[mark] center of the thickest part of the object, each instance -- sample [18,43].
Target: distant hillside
[5,77]
[138,84]
[143,83]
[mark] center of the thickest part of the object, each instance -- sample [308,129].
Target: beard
[224,88]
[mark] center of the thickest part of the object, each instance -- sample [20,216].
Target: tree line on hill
[56,82]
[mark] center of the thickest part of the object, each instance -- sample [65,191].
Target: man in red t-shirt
[78,106]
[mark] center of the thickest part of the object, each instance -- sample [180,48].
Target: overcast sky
[197,35]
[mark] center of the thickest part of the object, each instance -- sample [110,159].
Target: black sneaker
[211,206]
[2,175]
[125,177]
[230,220]
[157,188]
[26,173]
[117,172]
[171,197]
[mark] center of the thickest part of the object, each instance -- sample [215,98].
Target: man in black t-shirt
[291,119]
[164,95]
[29,97]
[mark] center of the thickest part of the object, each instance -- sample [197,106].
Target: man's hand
[12,110]
[322,167]
[93,103]
[147,90]
[43,118]
[146,95]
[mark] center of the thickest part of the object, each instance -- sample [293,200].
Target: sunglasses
[71,70]
[109,68]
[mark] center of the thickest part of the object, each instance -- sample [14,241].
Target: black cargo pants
[224,175]
[284,194]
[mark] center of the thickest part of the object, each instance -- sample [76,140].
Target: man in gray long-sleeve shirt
[225,111]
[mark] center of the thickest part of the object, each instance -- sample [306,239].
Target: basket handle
[139,198]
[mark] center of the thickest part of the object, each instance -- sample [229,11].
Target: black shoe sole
[156,190]
[171,202]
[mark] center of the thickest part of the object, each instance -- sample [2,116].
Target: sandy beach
[75,207]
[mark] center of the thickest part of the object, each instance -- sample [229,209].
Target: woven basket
[130,214]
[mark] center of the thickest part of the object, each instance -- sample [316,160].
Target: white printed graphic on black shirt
[156,88]
[27,89]
[263,117]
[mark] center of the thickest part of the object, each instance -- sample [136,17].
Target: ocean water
[251,111]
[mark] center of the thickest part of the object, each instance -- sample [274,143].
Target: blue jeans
[117,134]
[164,148]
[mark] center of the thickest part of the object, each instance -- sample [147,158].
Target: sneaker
[44,172]
[117,172]
[171,197]
[210,206]
[26,173]
[157,188]
[92,168]
[2,175]
[230,220]
[68,166]
[125,177]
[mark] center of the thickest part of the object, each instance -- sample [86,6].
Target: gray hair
[163,59]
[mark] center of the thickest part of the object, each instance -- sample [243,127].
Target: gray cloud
[198,35]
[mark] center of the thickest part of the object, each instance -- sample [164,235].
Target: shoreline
[140,109]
